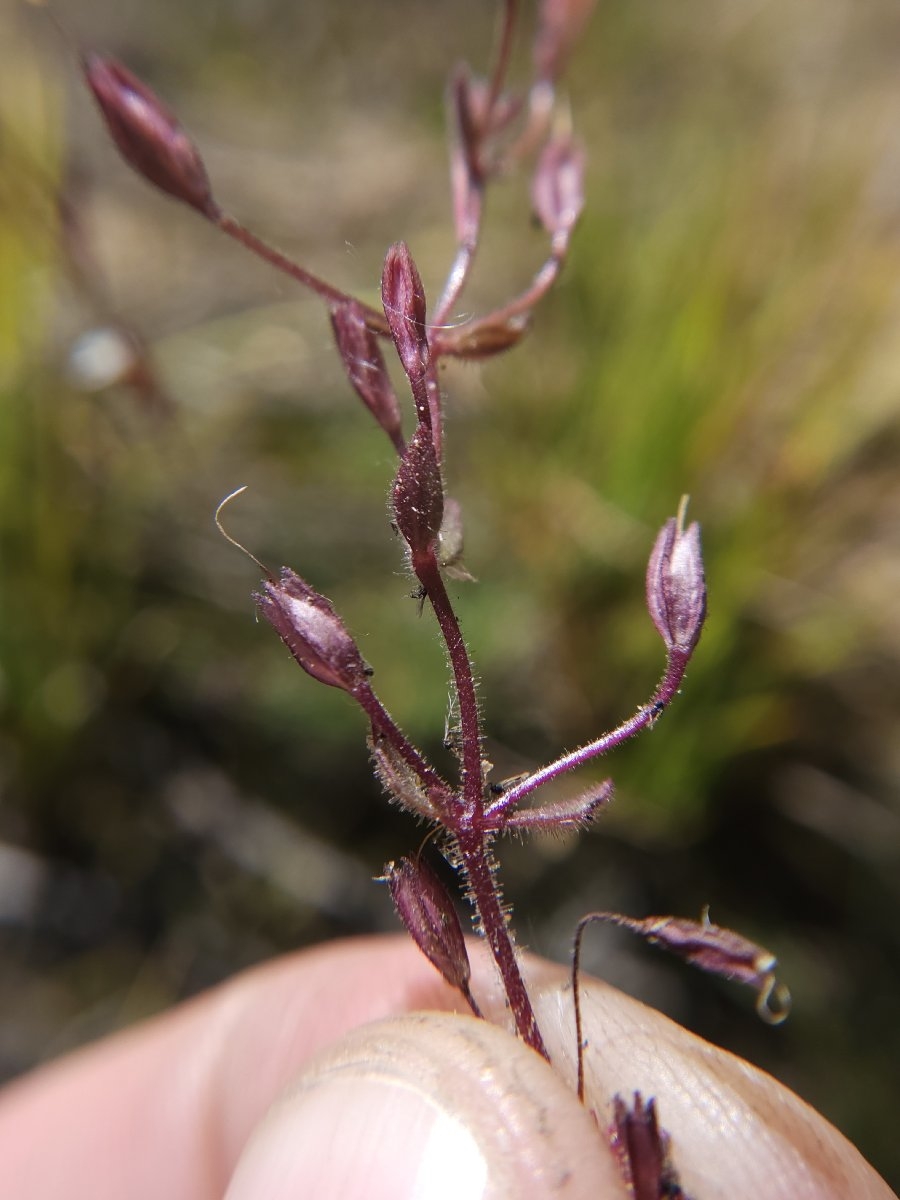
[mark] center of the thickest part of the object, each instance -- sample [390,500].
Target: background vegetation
[176,799]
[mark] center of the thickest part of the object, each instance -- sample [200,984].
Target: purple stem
[458,275]
[331,295]
[646,715]
[442,342]
[467,824]
[483,892]
[472,775]
[501,63]
[468,248]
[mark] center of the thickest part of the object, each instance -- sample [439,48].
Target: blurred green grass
[727,327]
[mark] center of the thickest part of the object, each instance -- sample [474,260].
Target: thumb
[429,1106]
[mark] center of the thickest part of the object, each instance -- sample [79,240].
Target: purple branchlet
[313,632]
[148,135]
[560,25]
[574,812]
[676,598]
[366,369]
[426,909]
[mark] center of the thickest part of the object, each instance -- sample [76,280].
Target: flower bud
[485,338]
[557,188]
[418,493]
[426,909]
[403,298]
[147,134]
[676,586]
[365,367]
[313,632]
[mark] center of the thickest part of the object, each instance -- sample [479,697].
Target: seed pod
[148,135]
[426,909]
[557,188]
[418,494]
[676,586]
[313,632]
[365,367]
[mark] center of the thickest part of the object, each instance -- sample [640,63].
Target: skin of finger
[735,1131]
[428,1105]
[168,1108]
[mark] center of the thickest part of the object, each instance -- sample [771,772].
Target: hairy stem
[644,717]
[383,723]
[331,295]
[472,772]
[475,858]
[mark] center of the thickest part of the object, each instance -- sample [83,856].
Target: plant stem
[644,717]
[504,49]
[467,827]
[331,295]
[472,767]
[385,724]
[475,858]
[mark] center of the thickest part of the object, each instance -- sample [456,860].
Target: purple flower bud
[418,494]
[313,632]
[403,298]
[676,586]
[557,188]
[147,134]
[426,909]
[560,25]
[365,367]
